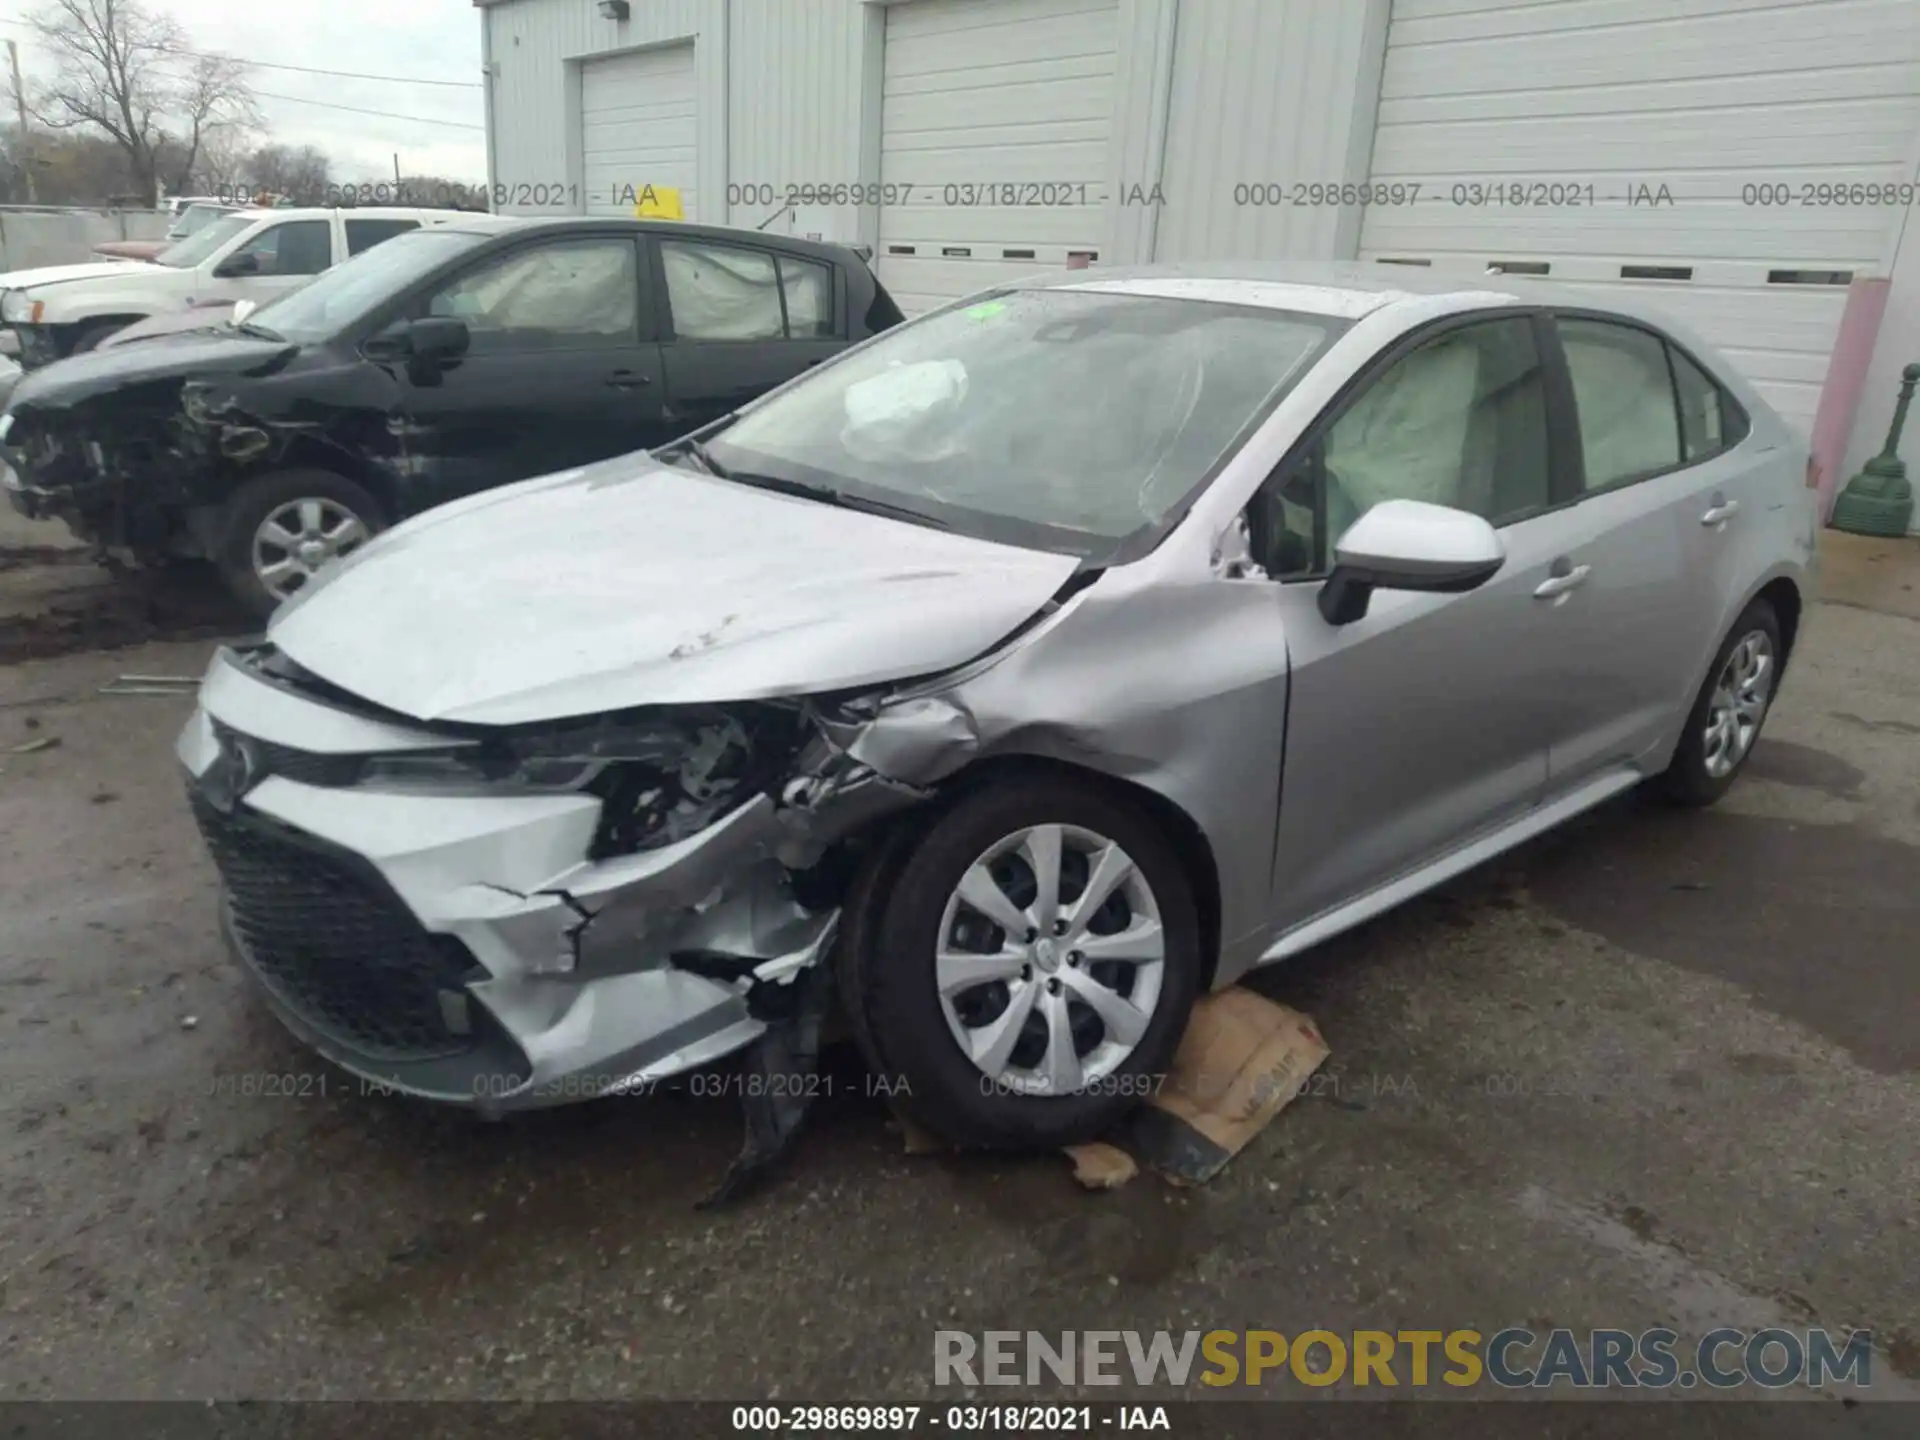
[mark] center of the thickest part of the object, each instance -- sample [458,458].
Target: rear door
[1662,500]
[561,369]
[737,320]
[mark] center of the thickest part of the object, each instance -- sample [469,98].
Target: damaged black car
[441,363]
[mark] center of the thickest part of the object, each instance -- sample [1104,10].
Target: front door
[561,369]
[1422,724]
[275,262]
[737,321]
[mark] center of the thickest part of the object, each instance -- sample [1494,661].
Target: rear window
[365,234]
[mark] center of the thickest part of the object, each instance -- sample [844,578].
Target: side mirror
[243,263]
[1408,545]
[437,337]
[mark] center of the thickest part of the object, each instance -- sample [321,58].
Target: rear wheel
[1729,711]
[281,530]
[1028,964]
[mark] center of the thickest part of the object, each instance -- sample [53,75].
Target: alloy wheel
[1738,703]
[299,537]
[1051,960]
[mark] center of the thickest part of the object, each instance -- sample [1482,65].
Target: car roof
[1344,289]
[683,229]
[352,212]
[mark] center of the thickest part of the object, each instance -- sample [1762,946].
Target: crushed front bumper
[460,947]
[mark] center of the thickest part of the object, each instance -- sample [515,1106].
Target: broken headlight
[660,776]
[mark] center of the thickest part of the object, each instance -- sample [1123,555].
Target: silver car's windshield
[203,242]
[320,309]
[1062,419]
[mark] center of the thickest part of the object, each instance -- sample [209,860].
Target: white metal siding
[990,93]
[794,68]
[1704,96]
[1269,93]
[637,128]
[540,48]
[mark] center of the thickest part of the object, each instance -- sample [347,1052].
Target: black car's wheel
[281,529]
[1024,964]
[1731,707]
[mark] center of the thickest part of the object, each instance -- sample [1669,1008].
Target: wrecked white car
[1022,672]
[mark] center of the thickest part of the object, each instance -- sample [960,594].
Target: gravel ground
[1657,1068]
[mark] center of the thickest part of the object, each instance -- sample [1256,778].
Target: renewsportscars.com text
[1514,1358]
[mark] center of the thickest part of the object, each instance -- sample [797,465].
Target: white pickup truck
[256,255]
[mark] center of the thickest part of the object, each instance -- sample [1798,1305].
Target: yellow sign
[657,202]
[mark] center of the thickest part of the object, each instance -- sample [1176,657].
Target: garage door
[996,115]
[637,127]
[1524,104]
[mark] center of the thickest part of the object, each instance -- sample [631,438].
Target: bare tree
[127,72]
[299,172]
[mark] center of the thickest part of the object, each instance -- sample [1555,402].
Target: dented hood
[113,368]
[636,583]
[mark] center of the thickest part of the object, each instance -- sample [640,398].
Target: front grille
[335,945]
[306,766]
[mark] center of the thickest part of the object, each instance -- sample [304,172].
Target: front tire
[281,529]
[1027,966]
[1727,715]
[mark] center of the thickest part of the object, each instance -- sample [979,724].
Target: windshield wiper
[259,332]
[827,495]
[699,451]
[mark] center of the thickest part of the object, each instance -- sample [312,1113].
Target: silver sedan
[1023,673]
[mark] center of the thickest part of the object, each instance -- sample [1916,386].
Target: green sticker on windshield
[986,309]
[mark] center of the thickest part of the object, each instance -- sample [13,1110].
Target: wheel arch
[1189,841]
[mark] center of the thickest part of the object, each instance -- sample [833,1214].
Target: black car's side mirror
[437,337]
[426,345]
[244,263]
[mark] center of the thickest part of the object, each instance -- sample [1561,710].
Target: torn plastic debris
[793,994]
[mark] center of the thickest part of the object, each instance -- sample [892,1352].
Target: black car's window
[721,292]
[568,295]
[1623,391]
[1460,421]
[807,287]
[355,288]
[365,234]
[299,247]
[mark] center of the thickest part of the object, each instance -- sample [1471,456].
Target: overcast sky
[417,40]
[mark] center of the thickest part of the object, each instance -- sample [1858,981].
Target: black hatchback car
[440,363]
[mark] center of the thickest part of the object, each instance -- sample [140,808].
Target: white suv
[256,255]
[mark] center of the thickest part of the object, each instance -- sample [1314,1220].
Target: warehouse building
[1754,161]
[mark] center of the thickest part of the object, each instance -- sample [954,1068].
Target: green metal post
[1879,500]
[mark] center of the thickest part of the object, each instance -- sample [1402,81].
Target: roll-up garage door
[637,127]
[1532,124]
[994,133]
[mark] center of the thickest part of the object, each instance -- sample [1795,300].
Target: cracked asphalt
[1657,1068]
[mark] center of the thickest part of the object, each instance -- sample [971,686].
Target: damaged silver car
[1021,674]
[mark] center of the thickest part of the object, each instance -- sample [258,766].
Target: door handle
[628,379]
[1557,585]
[1720,511]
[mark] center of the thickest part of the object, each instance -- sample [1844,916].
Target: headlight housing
[660,775]
[20,309]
